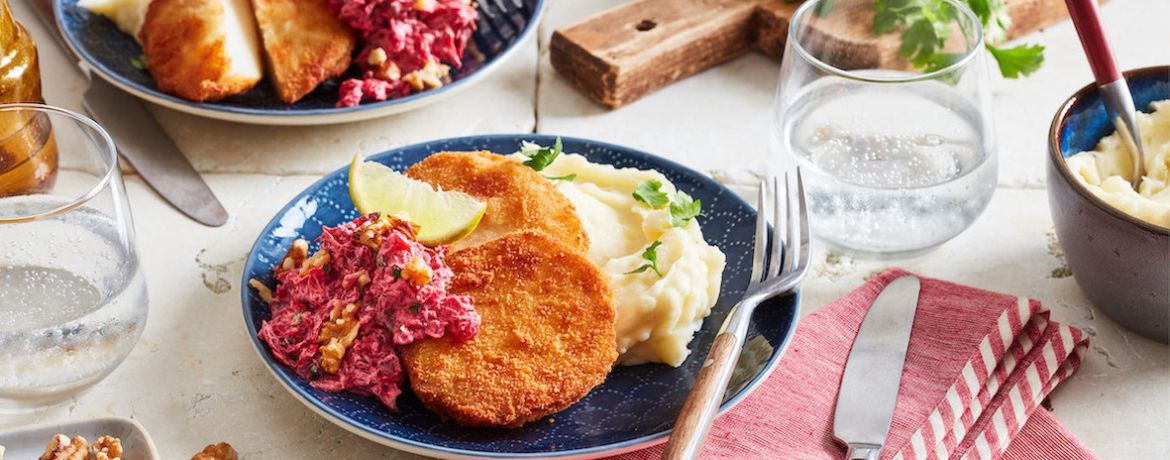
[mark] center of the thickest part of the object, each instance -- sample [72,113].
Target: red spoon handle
[1086,16]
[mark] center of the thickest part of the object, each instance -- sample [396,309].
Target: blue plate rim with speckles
[773,322]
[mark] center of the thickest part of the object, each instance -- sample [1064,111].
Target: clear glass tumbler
[895,142]
[72,293]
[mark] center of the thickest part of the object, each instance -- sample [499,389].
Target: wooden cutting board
[619,55]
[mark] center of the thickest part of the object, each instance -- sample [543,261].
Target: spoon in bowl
[1086,16]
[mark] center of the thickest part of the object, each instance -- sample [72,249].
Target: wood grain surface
[622,54]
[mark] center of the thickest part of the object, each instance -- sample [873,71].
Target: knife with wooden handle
[141,140]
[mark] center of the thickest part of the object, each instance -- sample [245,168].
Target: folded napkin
[978,365]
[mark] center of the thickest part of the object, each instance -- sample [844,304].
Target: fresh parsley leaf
[1022,59]
[649,192]
[683,209]
[139,62]
[650,254]
[885,21]
[298,317]
[414,307]
[824,8]
[570,177]
[543,157]
[993,14]
[925,26]
[924,37]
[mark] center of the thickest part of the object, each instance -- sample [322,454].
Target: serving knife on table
[141,140]
[873,372]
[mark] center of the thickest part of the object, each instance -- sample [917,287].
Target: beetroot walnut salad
[408,45]
[339,315]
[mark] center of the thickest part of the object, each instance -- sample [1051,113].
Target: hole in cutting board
[645,25]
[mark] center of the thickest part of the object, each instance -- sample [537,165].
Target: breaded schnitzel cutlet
[304,44]
[518,198]
[201,50]
[546,337]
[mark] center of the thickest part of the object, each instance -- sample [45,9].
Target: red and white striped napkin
[978,365]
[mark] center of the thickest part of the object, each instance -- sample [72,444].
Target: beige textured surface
[194,378]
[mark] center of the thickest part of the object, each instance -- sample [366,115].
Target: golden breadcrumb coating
[546,339]
[518,198]
[192,51]
[304,44]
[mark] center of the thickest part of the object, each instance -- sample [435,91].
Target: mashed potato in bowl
[657,315]
[1104,170]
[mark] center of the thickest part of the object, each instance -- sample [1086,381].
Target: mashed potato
[657,316]
[1105,170]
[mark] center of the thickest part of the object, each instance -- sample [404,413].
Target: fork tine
[792,251]
[761,231]
[779,222]
[802,216]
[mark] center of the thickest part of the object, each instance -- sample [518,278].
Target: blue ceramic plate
[635,407]
[503,26]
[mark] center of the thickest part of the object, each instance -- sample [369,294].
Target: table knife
[141,140]
[873,372]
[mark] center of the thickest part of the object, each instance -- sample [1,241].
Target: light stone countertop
[195,378]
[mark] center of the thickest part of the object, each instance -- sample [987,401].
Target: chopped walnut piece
[376,57]
[417,272]
[432,75]
[63,448]
[361,279]
[295,256]
[107,448]
[221,451]
[319,259]
[337,335]
[261,290]
[371,232]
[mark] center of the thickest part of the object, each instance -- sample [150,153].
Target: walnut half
[63,448]
[107,448]
[417,272]
[221,451]
[295,257]
[337,335]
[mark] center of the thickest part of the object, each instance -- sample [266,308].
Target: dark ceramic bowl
[1121,263]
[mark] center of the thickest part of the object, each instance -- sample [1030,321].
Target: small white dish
[28,442]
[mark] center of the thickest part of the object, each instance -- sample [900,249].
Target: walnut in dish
[221,451]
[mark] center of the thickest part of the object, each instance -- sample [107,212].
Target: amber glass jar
[28,153]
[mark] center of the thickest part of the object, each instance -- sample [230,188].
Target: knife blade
[141,140]
[873,372]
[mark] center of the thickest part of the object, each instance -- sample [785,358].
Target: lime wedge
[443,217]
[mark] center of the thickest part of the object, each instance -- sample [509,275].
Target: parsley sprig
[925,26]
[649,192]
[540,158]
[682,209]
[651,255]
[139,62]
[936,15]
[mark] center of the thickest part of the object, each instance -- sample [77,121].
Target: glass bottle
[28,152]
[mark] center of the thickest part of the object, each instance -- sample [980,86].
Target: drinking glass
[72,294]
[897,159]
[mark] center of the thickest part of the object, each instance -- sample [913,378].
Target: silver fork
[772,275]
